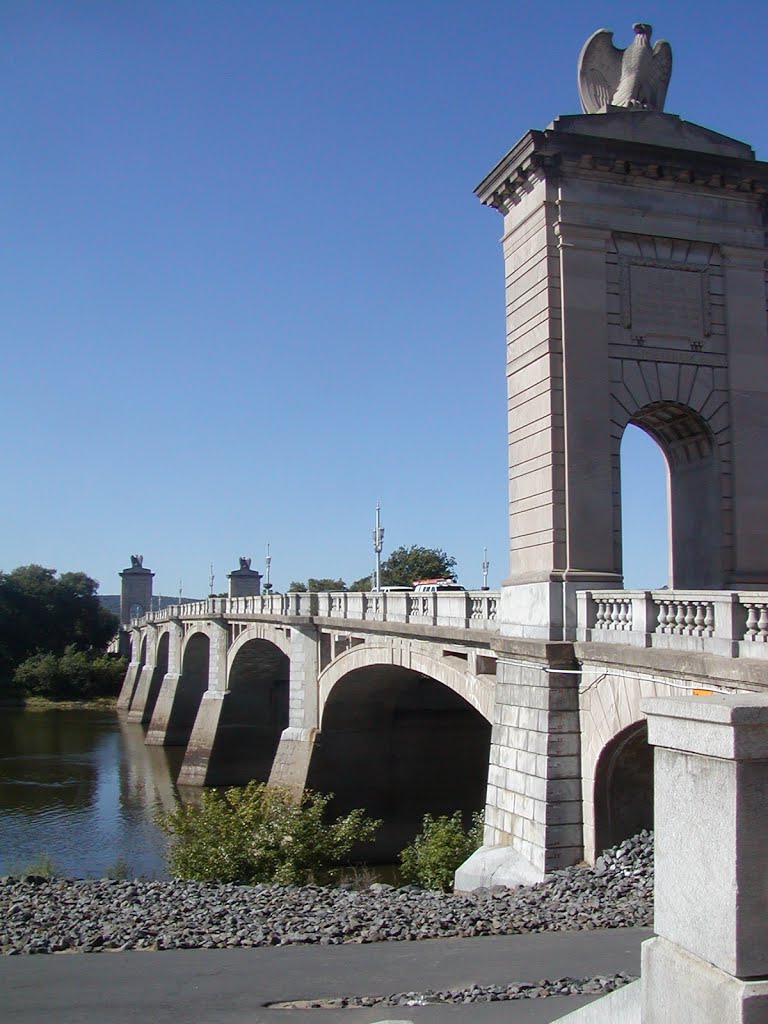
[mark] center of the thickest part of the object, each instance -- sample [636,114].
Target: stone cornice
[541,155]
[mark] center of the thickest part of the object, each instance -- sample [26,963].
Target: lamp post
[486,567]
[268,564]
[211,578]
[378,538]
[179,591]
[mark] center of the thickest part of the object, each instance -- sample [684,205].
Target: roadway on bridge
[233,986]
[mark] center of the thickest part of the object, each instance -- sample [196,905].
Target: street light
[378,538]
[211,578]
[268,563]
[486,567]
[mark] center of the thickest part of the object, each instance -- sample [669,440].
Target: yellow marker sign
[702,693]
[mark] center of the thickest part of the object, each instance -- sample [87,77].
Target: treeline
[53,636]
[404,565]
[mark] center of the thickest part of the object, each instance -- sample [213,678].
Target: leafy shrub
[260,834]
[439,849]
[72,676]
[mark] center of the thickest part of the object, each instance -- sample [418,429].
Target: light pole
[179,591]
[268,564]
[378,538]
[486,567]
[211,578]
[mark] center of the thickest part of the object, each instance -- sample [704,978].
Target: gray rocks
[472,994]
[58,915]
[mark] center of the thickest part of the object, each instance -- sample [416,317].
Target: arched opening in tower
[400,745]
[695,502]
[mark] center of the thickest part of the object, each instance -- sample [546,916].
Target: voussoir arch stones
[478,693]
[259,631]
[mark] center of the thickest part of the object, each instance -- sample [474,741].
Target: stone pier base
[129,686]
[291,763]
[158,733]
[195,769]
[138,710]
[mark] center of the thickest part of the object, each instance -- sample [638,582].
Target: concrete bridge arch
[402,734]
[477,692]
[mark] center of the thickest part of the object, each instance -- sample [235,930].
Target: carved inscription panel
[670,294]
[667,303]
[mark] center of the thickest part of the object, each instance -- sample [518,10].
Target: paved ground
[233,986]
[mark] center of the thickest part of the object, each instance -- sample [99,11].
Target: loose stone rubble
[471,994]
[38,915]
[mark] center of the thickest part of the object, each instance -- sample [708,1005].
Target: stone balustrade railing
[725,622]
[464,609]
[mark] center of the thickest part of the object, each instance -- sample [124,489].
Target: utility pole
[378,538]
[486,567]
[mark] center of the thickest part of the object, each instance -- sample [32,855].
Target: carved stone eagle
[636,78]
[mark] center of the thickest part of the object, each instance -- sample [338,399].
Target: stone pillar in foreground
[708,963]
[295,749]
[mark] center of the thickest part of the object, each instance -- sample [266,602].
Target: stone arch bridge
[408,703]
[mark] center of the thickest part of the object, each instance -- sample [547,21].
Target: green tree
[439,849]
[365,583]
[42,614]
[261,834]
[406,564]
[322,585]
[297,587]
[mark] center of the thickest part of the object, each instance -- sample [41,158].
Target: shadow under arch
[193,682]
[253,715]
[624,787]
[695,498]
[399,744]
[161,668]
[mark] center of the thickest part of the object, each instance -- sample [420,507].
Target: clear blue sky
[246,289]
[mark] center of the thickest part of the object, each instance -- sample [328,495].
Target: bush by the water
[74,675]
[439,849]
[261,834]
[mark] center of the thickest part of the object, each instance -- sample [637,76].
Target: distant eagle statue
[636,78]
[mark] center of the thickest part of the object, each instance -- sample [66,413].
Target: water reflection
[81,787]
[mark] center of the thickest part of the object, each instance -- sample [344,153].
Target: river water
[81,788]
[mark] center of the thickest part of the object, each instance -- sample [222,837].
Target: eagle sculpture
[636,78]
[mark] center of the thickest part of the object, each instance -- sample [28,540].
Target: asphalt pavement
[220,986]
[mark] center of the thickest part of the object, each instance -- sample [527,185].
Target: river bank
[39,915]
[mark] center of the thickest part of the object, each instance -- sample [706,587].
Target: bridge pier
[132,673]
[533,817]
[161,714]
[291,764]
[136,710]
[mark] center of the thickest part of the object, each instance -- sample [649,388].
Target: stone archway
[252,715]
[623,794]
[399,744]
[695,492]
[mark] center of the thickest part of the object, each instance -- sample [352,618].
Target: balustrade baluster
[752,621]
[762,625]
